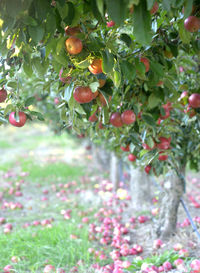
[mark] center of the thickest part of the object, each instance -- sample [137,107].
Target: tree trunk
[101,158]
[140,188]
[114,171]
[173,191]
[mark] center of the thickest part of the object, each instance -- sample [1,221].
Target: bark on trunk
[173,191]
[101,157]
[114,171]
[140,188]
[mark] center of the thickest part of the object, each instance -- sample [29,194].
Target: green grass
[35,245]
[57,170]
[5,144]
[6,166]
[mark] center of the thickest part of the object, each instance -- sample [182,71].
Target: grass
[5,144]
[36,245]
[57,171]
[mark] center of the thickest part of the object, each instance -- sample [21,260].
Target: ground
[60,208]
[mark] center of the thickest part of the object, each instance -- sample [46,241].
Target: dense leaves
[148,59]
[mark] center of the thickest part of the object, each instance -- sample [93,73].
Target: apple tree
[118,68]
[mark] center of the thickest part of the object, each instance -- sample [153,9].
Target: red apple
[154,8]
[128,117]
[131,157]
[145,61]
[93,117]
[110,24]
[83,94]
[147,169]
[164,143]
[115,119]
[195,265]
[8,268]
[162,157]
[22,119]
[49,269]
[192,24]
[194,100]
[126,148]
[3,95]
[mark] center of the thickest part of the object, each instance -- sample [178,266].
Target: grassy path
[44,170]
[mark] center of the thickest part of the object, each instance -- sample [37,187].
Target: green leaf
[95,10]
[128,70]
[188,8]
[117,10]
[63,10]
[108,61]
[29,101]
[185,35]
[149,119]
[68,92]
[166,5]
[13,7]
[60,45]
[157,68]
[140,67]
[94,86]
[106,116]
[38,115]
[153,101]
[142,24]
[150,142]
[36,33]
[100,6]
[28,69]
[69,18]
[83,64]
[3,120]
[28,20]
[12,84]
[117,78]
[126,39]
[150,4]
[9,108]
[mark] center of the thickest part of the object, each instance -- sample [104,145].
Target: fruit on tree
[131,157]
[3,95]
[192,24]
[14,122]
[147,169]
[194,100]
[93,117]
[154,8]
[115,119]
[95,94]
[102,82]
[64,79]
[73,45]
[102,99]
[128,117]
[162,157]
[83,94]
[167,113]
[168,54]
[110,24]
[145,61]
[164,143]
[56,100]
[96,66]
[72,31]
[125,148]
[147,147]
